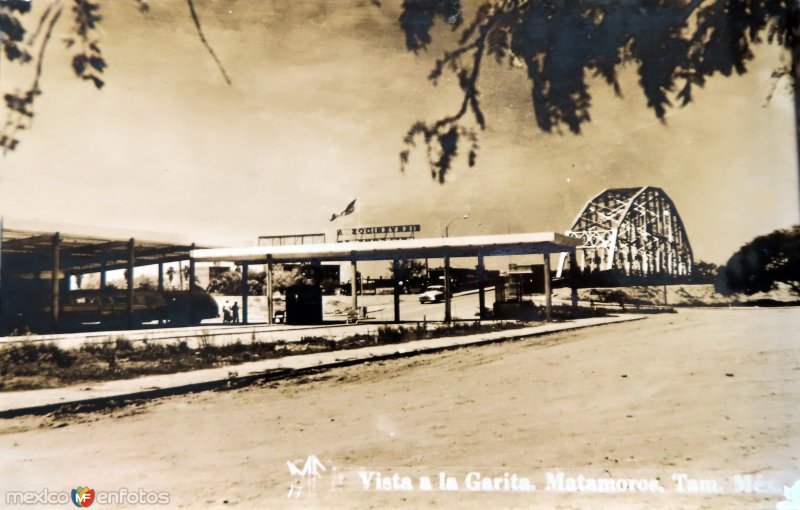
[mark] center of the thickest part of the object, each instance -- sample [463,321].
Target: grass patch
[30,365]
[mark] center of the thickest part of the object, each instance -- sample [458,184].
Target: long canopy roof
[468,246]
[29,251]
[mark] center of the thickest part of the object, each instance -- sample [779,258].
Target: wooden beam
[97,248]
[22,243]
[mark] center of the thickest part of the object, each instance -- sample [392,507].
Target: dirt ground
[711,394]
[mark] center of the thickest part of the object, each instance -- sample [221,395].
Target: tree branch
[202,36]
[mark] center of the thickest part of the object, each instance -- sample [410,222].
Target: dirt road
[708,394]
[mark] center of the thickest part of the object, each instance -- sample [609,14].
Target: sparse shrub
[206,348]
[389,335]
[123,344]
[35,365]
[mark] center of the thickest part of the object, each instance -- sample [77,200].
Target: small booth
[522,280]
[303,304]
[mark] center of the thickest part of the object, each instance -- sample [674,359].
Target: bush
[123,344]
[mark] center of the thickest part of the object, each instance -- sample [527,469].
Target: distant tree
[230,282]
[704,271]
[408,269]
[141,281]
[90,281]
[411,273]
[144,282]
[329,286]
[762,263]
[283,278]
[227,283]
[186,272]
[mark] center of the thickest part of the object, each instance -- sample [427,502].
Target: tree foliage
[675,46]
[22,46]
[762,263]
[25,46]
[705,271]
[409,269]
[229,283]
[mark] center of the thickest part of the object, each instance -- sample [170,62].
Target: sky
[322,94]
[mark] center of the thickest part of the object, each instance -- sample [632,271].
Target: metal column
[396,289]
[354,287]
[447,312]
[573,279]
[548,301]
[54,281]
[103,272]
[131,265]
[270,311]
[245,292]
[192,272]
[481,282]
[160,284]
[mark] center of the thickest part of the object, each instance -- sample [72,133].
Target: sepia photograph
[400,254]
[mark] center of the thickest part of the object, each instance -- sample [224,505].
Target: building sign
[291,239]
[364,234]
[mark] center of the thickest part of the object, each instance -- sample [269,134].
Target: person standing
[235,311]
[226,312]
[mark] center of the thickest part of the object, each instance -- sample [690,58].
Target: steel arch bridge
[637,231]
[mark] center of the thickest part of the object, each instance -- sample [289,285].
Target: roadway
[710,393]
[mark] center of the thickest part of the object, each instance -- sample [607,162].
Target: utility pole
[447,227]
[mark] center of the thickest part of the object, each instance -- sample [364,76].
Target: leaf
[21,6]
[11,27]
[12,51]
[98,63]
[97,81]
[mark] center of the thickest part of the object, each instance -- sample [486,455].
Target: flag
[351,207]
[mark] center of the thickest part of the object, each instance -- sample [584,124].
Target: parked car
[433,294]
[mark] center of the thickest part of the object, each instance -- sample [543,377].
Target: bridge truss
[634,230]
